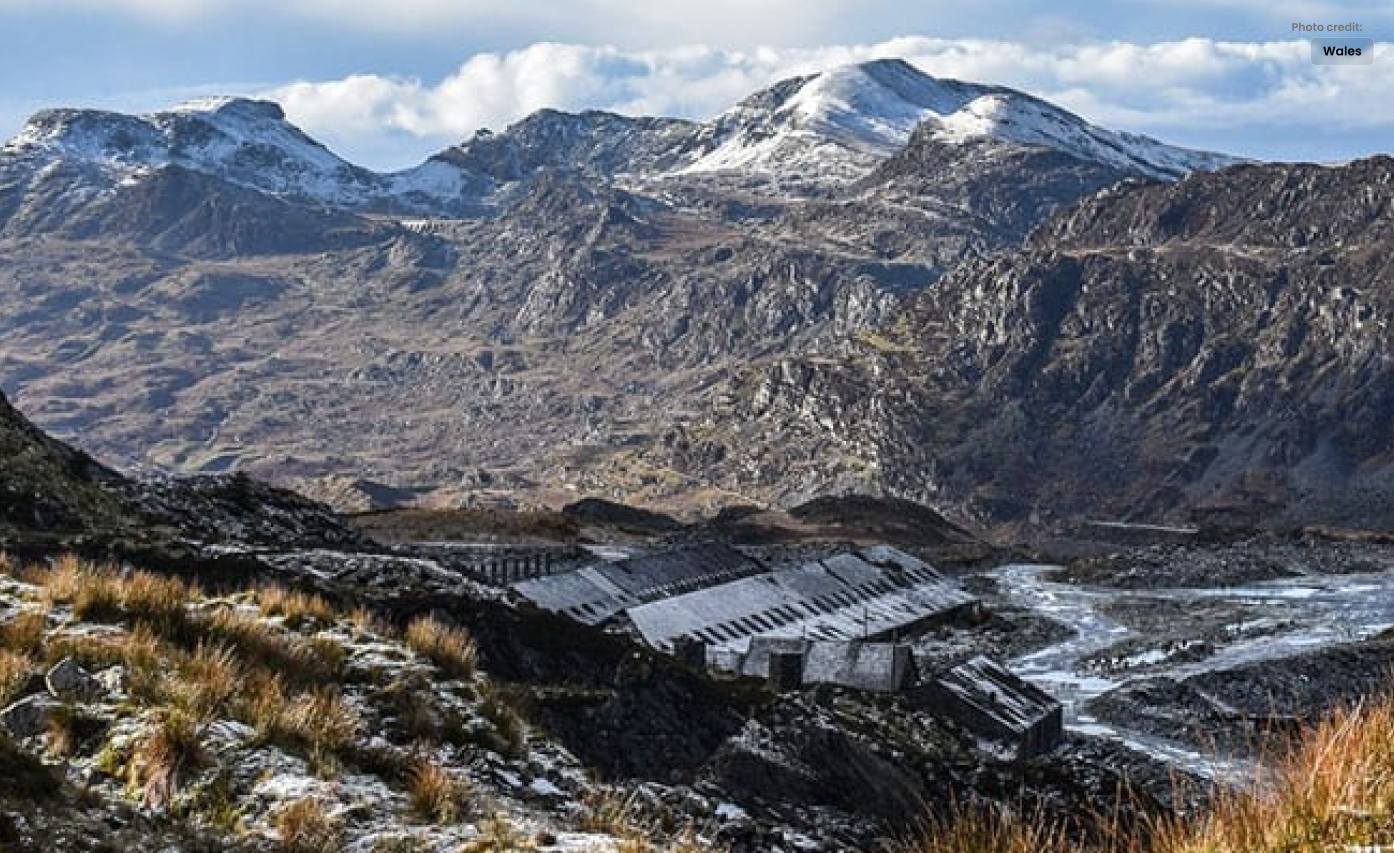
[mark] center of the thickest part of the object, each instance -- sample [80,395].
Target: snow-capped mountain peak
[830,128]
[244,141]
[838,123]
[875,106]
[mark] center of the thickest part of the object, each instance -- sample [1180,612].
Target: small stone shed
[875,667]
[984,696]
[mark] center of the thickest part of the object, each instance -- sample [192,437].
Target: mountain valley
[885,455]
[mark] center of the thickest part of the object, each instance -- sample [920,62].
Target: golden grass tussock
[446,646]
[206,681]
[497,707]
[611,811]
[317,660]
[436,794]
[982,829]
[98,599]
[62,581]
[169,749]
[322,720]
[16,670]
[262,704]
[304,826]
[1333,791]
[24,632]
[497,834]
[368,622]
[105,594]
[295,607]
[159,600]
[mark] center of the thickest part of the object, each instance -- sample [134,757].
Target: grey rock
[29,716]
[69,681]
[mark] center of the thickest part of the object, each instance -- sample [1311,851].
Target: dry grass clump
[497,835]
[448,647]
[434,793]
[70,730]
[319,720]
[206,681]
[322,721]
[170,748]
[62,581]
[156,599]
[98,599]
[21,642]
[508,729]
[608,810]
[16,671]
[368,622]
[319,660]
[106,594]
[24,634]
[262,704]
[1334,791]
[139,650]
[981,829]
[295,607]
[305,827]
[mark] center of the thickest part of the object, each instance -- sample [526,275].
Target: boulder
[29,716]
[68,680]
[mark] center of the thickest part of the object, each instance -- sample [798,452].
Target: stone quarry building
[828,621]
[721,597]
[988,699]
[873,667]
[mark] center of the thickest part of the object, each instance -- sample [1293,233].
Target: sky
[386,84]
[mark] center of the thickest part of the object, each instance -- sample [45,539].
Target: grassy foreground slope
[1334,791]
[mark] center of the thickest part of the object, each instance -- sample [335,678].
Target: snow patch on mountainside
[824,129]
[843,121]
[1011,116]
[245,142]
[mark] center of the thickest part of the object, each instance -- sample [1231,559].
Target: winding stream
[1307,612]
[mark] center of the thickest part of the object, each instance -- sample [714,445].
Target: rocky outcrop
[47,487]
[52,495]
[1156,352]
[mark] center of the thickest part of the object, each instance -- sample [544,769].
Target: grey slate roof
[595,593]
[993,691]
[843,597]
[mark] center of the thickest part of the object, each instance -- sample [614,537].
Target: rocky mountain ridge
[1157,352]
[832,126]
[547,312]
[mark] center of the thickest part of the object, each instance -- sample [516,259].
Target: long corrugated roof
[595,593]
[844,597]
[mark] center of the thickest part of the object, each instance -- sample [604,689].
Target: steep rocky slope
[52,495]
[45,485]
[1156,352]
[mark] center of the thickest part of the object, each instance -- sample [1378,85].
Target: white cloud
[1191,88]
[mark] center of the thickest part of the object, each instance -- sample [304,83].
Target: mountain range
[867,279]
